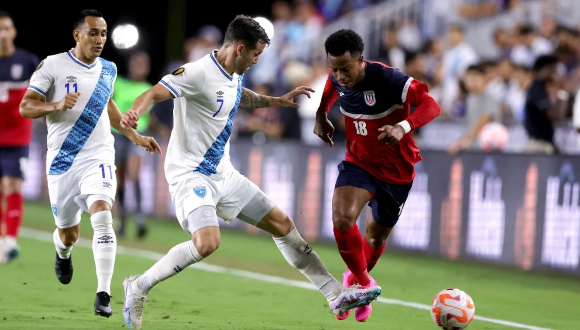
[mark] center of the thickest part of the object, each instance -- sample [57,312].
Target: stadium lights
[125,36]
[267,25]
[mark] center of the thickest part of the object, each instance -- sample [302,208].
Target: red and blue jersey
[15,73]
[383,97]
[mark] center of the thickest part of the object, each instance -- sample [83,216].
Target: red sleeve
[427,108]
[329,95]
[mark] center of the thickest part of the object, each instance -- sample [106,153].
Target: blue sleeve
[398,84]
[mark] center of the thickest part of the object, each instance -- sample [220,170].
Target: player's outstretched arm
[253,100]
[143,103]
[34,105]
[146,142]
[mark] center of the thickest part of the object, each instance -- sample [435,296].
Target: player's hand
[324,129]
[287,100]
[129,119]
[458,146]
[148,143]
[68,101]
[391,134]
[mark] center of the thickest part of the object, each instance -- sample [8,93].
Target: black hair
[247,30]
[543,61]
[80,20]
[526,30]
[477,68]
[5,14]
[343,41]
[410,56]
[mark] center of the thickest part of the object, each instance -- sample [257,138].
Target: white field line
[47,237]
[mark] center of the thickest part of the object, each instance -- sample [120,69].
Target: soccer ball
[452,309]
[493,136]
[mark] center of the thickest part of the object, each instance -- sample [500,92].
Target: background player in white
[203,182]
[73,90]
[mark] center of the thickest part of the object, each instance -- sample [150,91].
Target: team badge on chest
[370,98]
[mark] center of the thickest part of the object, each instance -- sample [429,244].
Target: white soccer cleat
[134,303]
[352,297]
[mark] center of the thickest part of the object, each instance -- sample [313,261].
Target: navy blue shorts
[388,199]
[13,161]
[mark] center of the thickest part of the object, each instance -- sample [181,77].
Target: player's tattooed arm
[253,100]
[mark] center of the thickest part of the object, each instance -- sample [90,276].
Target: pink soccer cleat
[345,282]
[361,313]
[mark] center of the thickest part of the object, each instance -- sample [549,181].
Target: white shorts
[228,195]
[71,192]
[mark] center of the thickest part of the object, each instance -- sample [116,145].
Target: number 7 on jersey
[221,102]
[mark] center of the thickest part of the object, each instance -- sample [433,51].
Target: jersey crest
[16,71]
[370,98]
[200,191]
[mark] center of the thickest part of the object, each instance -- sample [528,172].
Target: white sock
[104,248]
[62,250]
[301,256]
[10,241]
[177,259]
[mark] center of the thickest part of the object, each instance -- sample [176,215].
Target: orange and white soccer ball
[452,309]
[493,136]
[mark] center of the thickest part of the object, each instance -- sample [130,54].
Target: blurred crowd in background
[478,57]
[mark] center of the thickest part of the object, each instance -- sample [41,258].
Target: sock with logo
[14,205]
[350,246]
[177,259]
[104,248]
[301,256]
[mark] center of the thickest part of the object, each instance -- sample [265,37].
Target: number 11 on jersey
[69,89]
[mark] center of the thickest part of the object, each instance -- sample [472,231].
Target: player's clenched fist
[68,101]
[391,134]
[130,119]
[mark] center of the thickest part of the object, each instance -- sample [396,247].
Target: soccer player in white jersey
[204,184]
[73,90]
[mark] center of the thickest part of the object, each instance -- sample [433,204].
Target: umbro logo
[177,269]
[341,94]
[107,185]
[71,79]
[307,249]
[220,93]
[105,239]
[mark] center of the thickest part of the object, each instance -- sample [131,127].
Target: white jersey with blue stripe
[83,132]
[206,100]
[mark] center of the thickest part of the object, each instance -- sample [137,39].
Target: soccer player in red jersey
[16,67]
[378,169]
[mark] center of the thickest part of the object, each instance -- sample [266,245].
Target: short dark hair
[80,20]
[342,41]
[247,30]
[526,30]
[543,61]
[5,14]
[476,68]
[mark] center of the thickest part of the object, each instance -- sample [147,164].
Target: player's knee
[206,244]
[69,237]
[343,220]
[285,226]
[102,221]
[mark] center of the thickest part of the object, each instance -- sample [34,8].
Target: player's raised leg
[347,203]
[301,256]
[205,239]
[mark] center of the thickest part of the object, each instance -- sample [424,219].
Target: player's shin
[14,205]
[104,248]
[350,245]
[178,258]
[301,256]
[372,254]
